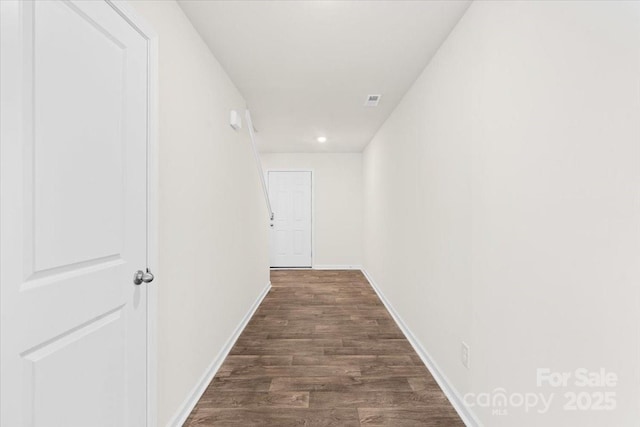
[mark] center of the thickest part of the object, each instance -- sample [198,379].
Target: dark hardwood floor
[322,350]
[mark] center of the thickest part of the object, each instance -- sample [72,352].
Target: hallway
[322,350]
[319,213]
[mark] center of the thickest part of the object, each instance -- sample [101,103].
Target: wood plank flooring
[322,350]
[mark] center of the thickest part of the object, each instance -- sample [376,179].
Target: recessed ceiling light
[322,139]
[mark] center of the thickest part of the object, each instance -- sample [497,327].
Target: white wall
[502,203]
[337,210]
[213,222]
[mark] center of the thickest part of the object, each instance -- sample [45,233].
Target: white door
[73,116]
[290,195]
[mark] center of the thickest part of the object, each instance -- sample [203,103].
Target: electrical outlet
[464,354]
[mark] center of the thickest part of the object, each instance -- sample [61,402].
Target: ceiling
[306,68]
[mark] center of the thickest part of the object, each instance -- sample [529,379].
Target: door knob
[142,276]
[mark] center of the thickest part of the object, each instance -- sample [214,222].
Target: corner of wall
[190,402]
[455,398]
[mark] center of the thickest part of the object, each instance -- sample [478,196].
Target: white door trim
[142,27]
[313,203]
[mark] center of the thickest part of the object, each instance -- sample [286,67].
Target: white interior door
[73,117]
[290,195]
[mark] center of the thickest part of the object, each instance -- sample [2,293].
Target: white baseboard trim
[337,267]
[187,406]
[468,417]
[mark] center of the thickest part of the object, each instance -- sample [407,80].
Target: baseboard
[468,417]
[323,267]
[187,406]
[337,267]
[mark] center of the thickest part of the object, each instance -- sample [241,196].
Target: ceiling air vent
[372,101]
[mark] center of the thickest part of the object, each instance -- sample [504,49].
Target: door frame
[313,205]
[128,13]
[133,19]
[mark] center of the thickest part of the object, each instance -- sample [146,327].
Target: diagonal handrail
[259,164]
